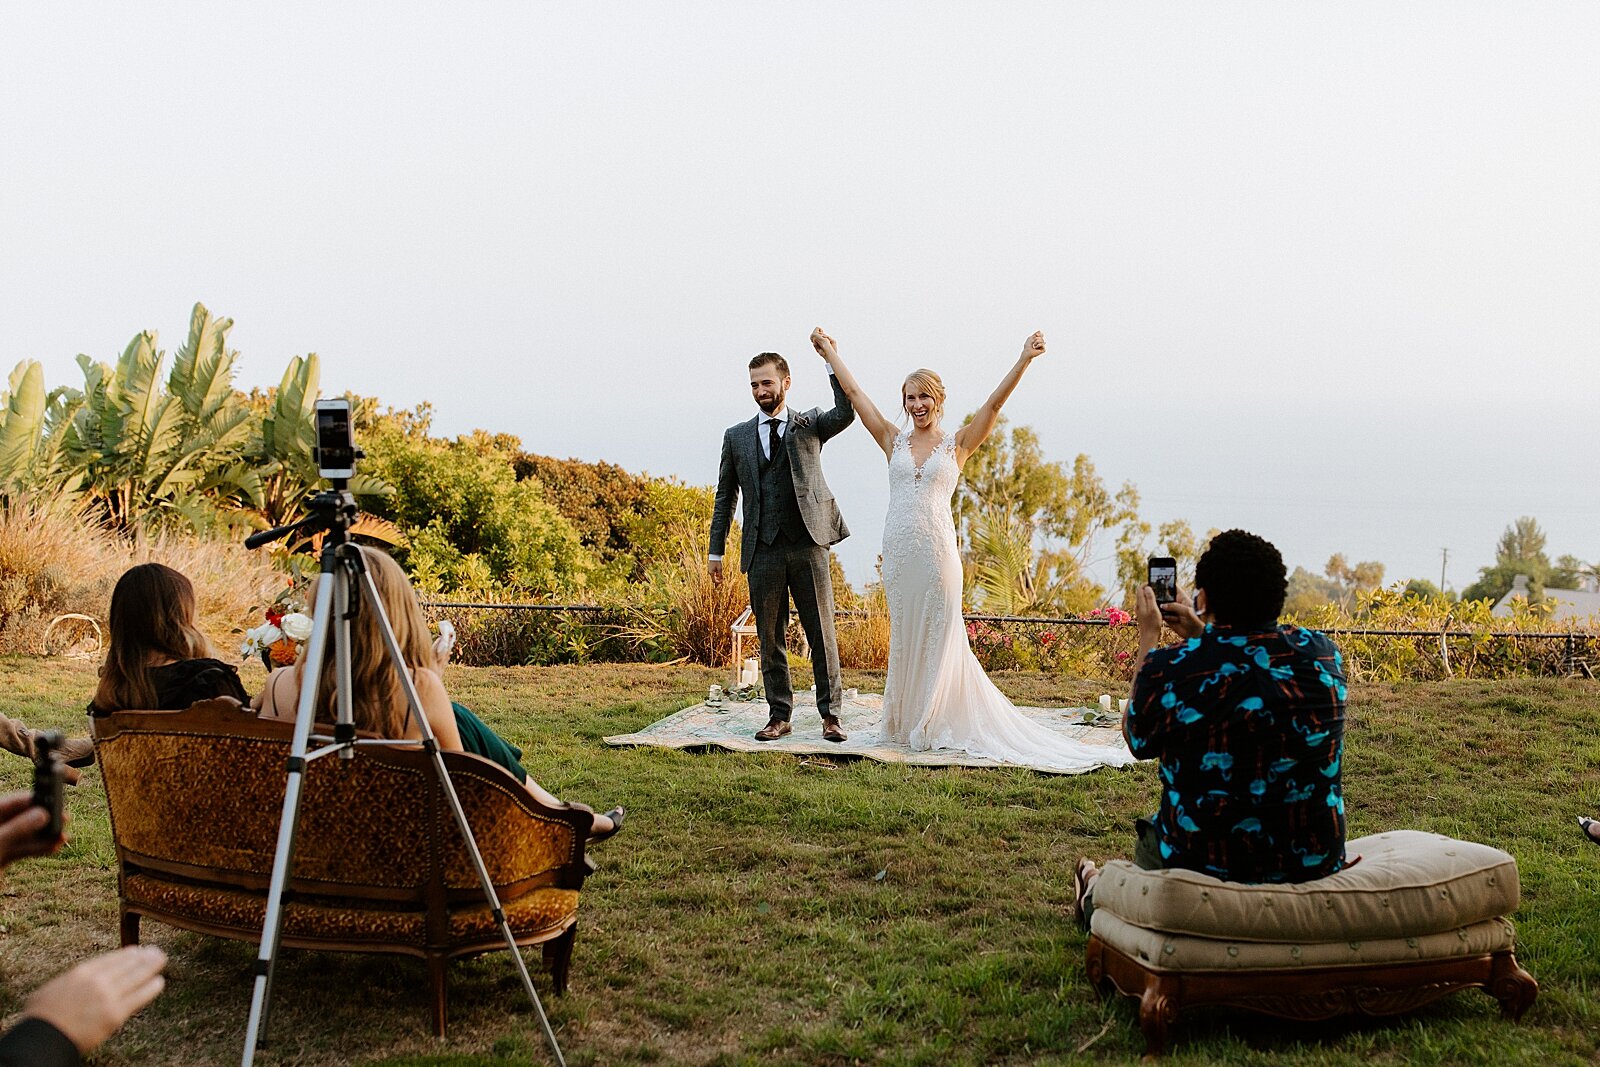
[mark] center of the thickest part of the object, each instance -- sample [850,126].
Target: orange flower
[284,652]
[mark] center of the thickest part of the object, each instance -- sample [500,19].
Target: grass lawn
[771,909]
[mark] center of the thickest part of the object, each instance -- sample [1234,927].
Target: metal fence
[509,634]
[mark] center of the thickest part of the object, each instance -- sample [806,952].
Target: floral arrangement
[277,641]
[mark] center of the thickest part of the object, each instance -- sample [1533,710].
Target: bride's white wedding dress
[937,694]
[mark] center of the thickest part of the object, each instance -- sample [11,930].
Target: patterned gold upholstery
[379,864]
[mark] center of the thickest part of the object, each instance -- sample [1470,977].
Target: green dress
[478,739]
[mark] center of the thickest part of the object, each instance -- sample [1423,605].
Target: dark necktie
[772,440]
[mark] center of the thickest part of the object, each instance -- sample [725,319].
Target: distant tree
[1421,587]
[471,524]
[1519,551]
[1352,579]
[600,500]
[1028,526]
[1308,591]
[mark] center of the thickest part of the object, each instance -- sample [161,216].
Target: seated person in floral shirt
[1246,719]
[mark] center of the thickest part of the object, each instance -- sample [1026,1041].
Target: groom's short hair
[764,358]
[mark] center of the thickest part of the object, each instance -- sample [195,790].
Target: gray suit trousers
[777,571]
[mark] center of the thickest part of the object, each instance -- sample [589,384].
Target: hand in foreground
[89,1002]
[1181,618]
[1033,347]
[1148,615]
[20,823]
[716,572]
[825,345]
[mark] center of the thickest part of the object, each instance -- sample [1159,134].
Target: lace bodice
[919,497]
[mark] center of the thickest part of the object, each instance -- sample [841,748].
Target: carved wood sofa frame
[195,798]
[1308,993]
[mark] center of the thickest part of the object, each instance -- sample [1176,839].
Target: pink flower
[1118,616]
[1123,656]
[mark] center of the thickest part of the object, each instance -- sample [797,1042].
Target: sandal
[1083,879]
[1590,826]
[615,815]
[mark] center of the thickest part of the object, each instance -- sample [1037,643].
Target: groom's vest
[779,508]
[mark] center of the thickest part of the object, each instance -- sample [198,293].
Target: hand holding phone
[49,781]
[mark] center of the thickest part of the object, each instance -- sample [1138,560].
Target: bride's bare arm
[974,433]
[882,429]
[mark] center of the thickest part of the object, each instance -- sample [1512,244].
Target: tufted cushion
[1177,952]
[1408,883]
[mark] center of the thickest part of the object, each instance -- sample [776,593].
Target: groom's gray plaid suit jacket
[740,474]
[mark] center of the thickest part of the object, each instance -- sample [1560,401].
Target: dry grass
[52,565]
[864,639]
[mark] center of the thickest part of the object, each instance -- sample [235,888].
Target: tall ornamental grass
[58,564]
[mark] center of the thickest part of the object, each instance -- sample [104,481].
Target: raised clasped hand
[823,344]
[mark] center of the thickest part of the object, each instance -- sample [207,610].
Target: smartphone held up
[1163,578]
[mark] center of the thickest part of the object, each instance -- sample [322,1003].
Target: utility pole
[1445,554]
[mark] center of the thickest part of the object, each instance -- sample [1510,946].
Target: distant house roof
[1576,605]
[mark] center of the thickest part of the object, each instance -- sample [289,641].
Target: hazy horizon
[1327,272]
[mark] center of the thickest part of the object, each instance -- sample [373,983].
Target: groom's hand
[1033,347]
[716,571]
[825,346]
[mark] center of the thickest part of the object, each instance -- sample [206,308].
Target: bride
[937,695]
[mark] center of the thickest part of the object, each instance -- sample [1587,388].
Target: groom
[790,519]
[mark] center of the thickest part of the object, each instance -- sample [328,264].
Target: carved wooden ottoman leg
[438,973]
[1095,963]
[1512,986]
[130,928]
[1158,1009]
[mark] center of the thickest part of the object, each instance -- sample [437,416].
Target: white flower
[296,627]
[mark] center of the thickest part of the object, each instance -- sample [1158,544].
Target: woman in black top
[158,659]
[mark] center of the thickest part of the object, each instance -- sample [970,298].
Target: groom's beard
[771,404]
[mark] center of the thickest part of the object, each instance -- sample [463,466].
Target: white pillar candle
[1105,703]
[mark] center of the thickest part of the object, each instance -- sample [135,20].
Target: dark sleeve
[1147,719]
[727,496]
[35,1043]
[183,683]
[839,416]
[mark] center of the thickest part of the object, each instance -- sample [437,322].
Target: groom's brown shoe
[831,730]
[773,730]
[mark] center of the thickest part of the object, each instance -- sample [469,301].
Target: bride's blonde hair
[927,381]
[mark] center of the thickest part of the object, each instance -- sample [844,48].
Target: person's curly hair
[1244,579]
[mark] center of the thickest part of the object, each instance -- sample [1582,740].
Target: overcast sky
[1330,272]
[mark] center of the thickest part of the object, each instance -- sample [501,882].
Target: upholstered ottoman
[1418,917]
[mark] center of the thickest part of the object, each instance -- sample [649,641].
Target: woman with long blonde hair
[936,694]
[378,701]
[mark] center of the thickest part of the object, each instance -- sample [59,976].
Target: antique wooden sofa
[379,865]
[1419,916]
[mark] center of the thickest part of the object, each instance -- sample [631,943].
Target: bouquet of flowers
[277,641]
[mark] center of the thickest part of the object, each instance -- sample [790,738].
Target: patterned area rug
[732,725]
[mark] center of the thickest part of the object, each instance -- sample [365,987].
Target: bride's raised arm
[973,434]
[882,429]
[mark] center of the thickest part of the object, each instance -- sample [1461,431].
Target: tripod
[345,585]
